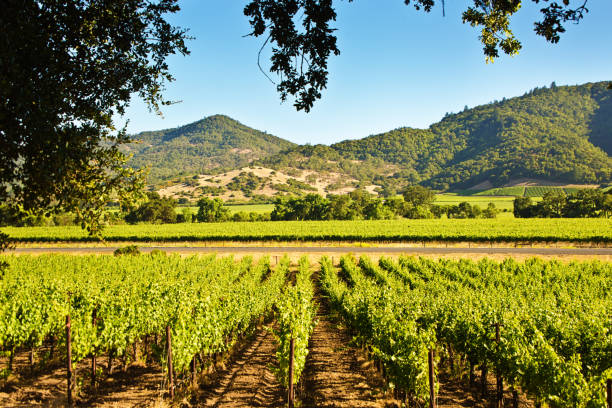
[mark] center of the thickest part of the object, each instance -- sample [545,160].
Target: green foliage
[464,210]
[252,216]
[185,215]
[127,250]
[418,196]
[583,203]
[555,134]
[207,302]
[554,334]
[293,186]
[17,217]
[247,182]
[60,147]
[295,313]
[358,204]
[371,311]
[522,207]
[214,142]
[540,191]
[212,190]
[397,230]
[300,31]
[211,210]
[310,207]
[155,210]
[490,212]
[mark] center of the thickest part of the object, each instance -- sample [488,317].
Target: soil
[335,375]
[323,180]
[139,386]
[248,381]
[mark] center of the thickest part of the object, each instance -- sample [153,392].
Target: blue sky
[398,67]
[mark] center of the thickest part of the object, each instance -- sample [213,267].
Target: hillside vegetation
[560,134]
[215,142]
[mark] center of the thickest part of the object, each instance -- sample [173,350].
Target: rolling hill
[215,142]
[561,134]
[556,134]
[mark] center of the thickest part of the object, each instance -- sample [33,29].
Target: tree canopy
[66,67]
[303,39]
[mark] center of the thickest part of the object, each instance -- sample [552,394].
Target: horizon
[366,136]
[397,68]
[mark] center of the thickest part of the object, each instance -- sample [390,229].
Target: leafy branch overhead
[66,68]
[303,39]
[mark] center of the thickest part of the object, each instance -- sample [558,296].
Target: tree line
[556,204]
[416,202]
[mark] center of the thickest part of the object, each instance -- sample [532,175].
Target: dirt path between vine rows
[340,375]
[248,380]
[335,376]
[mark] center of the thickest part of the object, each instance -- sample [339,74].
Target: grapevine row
[205,303]
[552,321]
[296,313]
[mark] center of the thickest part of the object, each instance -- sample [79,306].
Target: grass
[502,203]
[256,208]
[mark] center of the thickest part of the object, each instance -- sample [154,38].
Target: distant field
[522,191]
[502,203]
[256,208]
[403,230]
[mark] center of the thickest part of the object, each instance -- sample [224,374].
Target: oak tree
[303,39]
[66,67]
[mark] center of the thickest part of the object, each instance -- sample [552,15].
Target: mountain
[215,142]
[560,133]
[556,134]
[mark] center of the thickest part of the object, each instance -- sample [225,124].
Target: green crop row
[402,230]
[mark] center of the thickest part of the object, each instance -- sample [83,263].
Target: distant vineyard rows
[403,230]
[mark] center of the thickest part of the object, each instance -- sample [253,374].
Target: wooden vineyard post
[515,398]
[290,397]
[170,376]
[69,360]
[432,389]
[94,319]
[471,375]
[500,382]
[109,366]
[193,372]
[609,392]
[31,358]
[483,380]
[146,349]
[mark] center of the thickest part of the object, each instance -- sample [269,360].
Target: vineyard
[542,329]
[598,230]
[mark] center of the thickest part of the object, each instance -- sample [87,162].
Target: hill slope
[560,134]
[211,143]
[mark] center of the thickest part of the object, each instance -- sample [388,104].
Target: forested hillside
[556,134]
[561,134]
[211,143]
